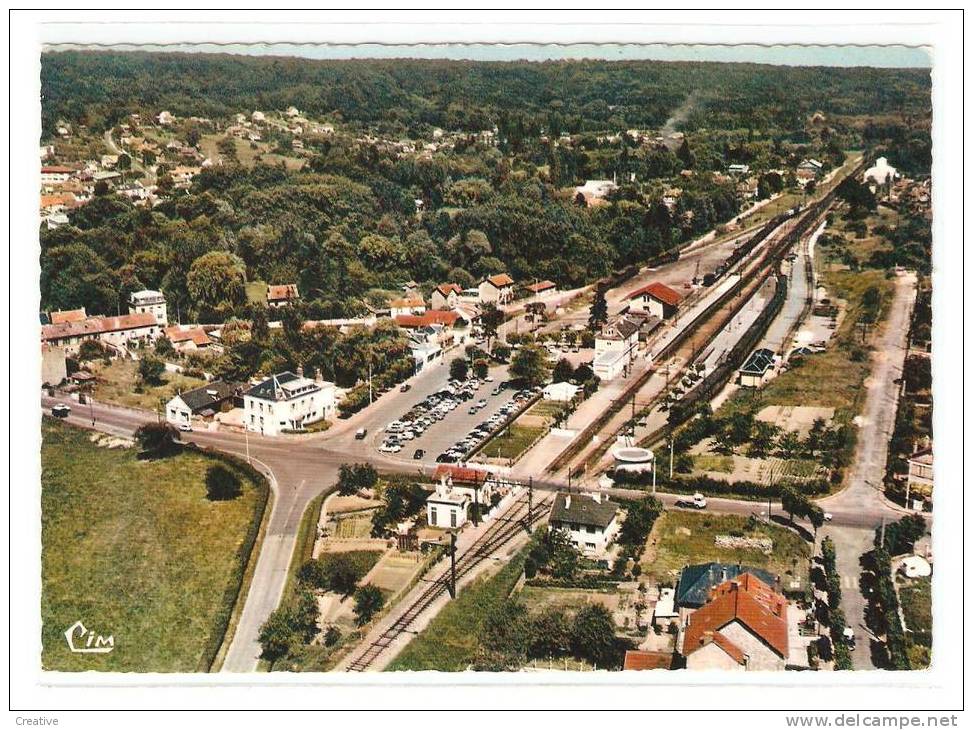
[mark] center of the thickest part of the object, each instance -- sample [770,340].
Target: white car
[828,516]
[388,448]
[407,435]
[185,427]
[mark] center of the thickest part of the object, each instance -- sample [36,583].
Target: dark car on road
[61,411]
[419,453]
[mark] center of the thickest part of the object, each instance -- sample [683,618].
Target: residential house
[188,339]
[757,368]
[656,298]
[739,169]
[743,627]
[696,581]
[56,174]
[406,306]
[151,302]
[808,170]
[287,401]
[204,401]
[182,176]
[542,288]
[448,329]
[477,484]
[616,347]
[447,507]
[590,521]
[68,315]
[117,331]
[497,289]
[594,192]
[446,296]
[279,295]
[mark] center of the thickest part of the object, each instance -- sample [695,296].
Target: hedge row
[712,486]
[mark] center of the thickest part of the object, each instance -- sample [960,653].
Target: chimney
[318,376]
[723,574]
[596,496]
[300,371]
[567,501]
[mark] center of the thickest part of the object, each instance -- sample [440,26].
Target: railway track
[508,525]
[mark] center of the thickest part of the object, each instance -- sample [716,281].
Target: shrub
[368,601]
[222,484]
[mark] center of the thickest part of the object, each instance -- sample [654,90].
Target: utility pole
[653,474]
[530,502]
[883,532]
[246,438]
[476,502]
[672,450]
[369,382]
[452,565]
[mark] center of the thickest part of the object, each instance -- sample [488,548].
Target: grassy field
[683,538]
[512,442]
[450,641]
[256,292]
[134,549]
[353,526]
[915,595]
[117,384]
[713,462]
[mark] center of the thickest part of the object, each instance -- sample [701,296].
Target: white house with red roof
[446,296]
[497,289]
[656,298]
[280,295]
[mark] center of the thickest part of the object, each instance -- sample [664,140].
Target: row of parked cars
[428,411]
[461,450]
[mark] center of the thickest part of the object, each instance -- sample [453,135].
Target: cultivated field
[117,384]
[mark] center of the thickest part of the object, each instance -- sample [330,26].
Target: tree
[762,439]
[598,314]
[593,635]
[276,635]
[151,369]
[563,371]
[550,634]
[222,484]
[481,368]
[217,279]
[530,364]
[342,575]
[164,348]
[354,477]
[368,602]
[156,439]
[459,368]
[91,350]
[790,501]
[789,444]
[490,320]
[124,162]
[685,155]
[563,556]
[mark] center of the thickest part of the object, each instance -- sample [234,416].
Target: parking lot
[438,423]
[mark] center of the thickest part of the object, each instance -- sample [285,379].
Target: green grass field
[256,292]
[450,641]
[117,381]
[134,549]
[512,442]
[683,538]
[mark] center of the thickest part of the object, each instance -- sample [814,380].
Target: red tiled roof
[54,169]
[660,291]
[195,334]
[66,199]
[98,325]
[433,316]
[500,280]
[407,302]
[542,286]
[68,315]
[745,599]
[461,474]
[445,289]
[639,660]
[276,292]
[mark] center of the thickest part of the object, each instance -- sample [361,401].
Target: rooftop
[280,292]
[211,394]
[759,362]
[696,581]
[582,509]
[658,290]
[500,280]
[283,386]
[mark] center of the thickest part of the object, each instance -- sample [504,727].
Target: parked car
[60,411]
[185,427]
[405,388]
[418,453]
[361,433]
[390,448]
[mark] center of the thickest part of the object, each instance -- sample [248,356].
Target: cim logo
[82,641]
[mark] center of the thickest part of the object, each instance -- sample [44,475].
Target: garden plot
[395,571]
[795,418]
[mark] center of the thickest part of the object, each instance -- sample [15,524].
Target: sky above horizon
[894,56]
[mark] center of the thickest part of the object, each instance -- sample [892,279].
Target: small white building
[406,305]
[280,295]
[562,392]
[151,302]
[616,347]
[446,296]
[656,299]
[205,401]
[590,521]
[447,507]
[287,401]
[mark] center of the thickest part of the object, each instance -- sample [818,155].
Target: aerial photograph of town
[539,364]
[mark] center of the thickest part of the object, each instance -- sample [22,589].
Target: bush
[353,477]
[368,601]
[222,484]
[157,439]
[151,369]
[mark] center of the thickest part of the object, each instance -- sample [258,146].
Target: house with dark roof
[205,401]
[590,521]
[696,581]
[757,368]
[287,402]
[616,346]
[656,299]
[743,626]
[497,289]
